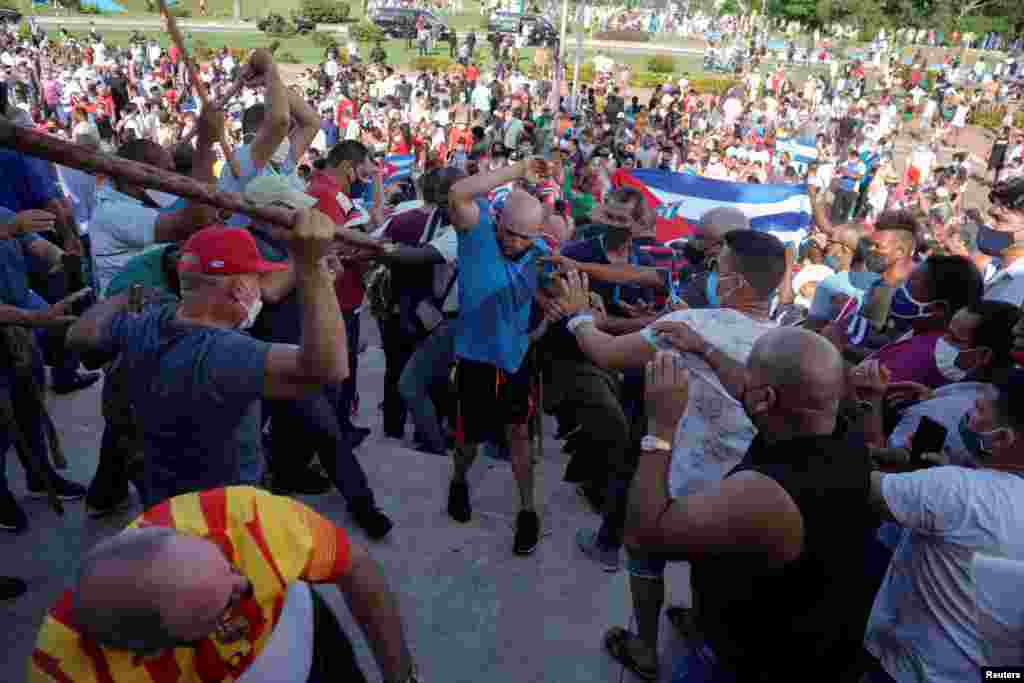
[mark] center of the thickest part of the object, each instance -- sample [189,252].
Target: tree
[238,10]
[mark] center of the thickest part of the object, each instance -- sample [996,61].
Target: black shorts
[489,399]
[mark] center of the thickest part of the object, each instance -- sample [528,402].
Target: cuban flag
[681,199]
[398,168]
[802,151]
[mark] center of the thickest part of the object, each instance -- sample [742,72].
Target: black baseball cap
[498,149]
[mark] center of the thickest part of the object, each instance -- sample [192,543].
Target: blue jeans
[428,366]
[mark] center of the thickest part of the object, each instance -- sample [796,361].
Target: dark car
[542,32]
[9,16]
[400,22]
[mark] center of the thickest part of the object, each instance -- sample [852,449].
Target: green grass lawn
[251,9]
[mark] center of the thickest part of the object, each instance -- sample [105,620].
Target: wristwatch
[654,443]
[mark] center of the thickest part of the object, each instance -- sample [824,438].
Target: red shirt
[324,188]
[345,111]
[472,73]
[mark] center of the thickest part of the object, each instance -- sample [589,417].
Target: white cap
[275,189]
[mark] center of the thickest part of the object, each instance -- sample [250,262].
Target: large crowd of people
[829,428]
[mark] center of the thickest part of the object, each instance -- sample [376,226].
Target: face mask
[993,242]
[162,199]
[711,289]
[907,307]
[946,356]
[282,152]
[252,312]
[979,444]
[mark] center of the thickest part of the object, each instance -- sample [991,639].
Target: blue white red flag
[398,167]
[681,199]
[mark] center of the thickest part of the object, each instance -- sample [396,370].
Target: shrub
[715,85]
[180,12]
[624,36]
[586,72]
[323,39]
[201,50]
[287,58]
[649,79]
[365,32]
[661,64]
[991,117]
[430,63]
[325,11]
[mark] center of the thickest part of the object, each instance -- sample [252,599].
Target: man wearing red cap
[195,377]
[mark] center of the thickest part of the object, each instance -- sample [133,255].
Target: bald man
[498,278]
[712,228]
[212,586]
[777,550]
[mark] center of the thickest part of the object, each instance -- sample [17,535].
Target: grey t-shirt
[195,390]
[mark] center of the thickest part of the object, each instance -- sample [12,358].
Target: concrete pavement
[474,611]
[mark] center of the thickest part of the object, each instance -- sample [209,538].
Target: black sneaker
[82,380]
[527,532]
[12,517]
[459,507]
[97,510]
[66,490]
[371,520]
[11,588]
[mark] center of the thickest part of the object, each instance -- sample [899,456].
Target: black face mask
[875,262]
[993,242]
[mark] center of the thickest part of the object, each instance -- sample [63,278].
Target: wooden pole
[43,146]
[200,87]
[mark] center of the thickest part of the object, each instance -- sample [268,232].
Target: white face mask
[252,312]
[946,356]
[282,152]
[162,199]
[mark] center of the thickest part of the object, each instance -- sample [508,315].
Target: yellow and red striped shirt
[271,540]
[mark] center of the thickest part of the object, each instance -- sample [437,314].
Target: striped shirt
[271,540]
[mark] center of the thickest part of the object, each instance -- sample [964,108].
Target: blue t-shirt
[196,390]
[592,251]
[29,183]
[495,296]
[247,171]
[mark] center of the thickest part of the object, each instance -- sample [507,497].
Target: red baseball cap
[219,250]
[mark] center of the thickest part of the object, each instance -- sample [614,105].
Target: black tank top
[807,617]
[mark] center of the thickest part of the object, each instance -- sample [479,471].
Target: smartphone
[930,437]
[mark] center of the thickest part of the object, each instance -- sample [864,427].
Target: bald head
[522,213]
[716,223]
[148,589]
[805,372]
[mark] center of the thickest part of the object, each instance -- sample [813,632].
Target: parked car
[542,32]
[400,22]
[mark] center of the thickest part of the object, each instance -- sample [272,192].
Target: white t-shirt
[923,625]
[947,406]
[288,654]
[715,432]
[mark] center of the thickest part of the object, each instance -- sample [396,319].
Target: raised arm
[464,212]
[177,226]
[277,117]
[307,124]
[321,358]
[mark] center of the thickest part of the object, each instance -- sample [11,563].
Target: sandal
[616,643]
[685,622]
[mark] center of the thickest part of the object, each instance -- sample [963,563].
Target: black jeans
[349,389]
[334,659]
[301,427]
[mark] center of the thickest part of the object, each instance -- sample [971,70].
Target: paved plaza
[474,611]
